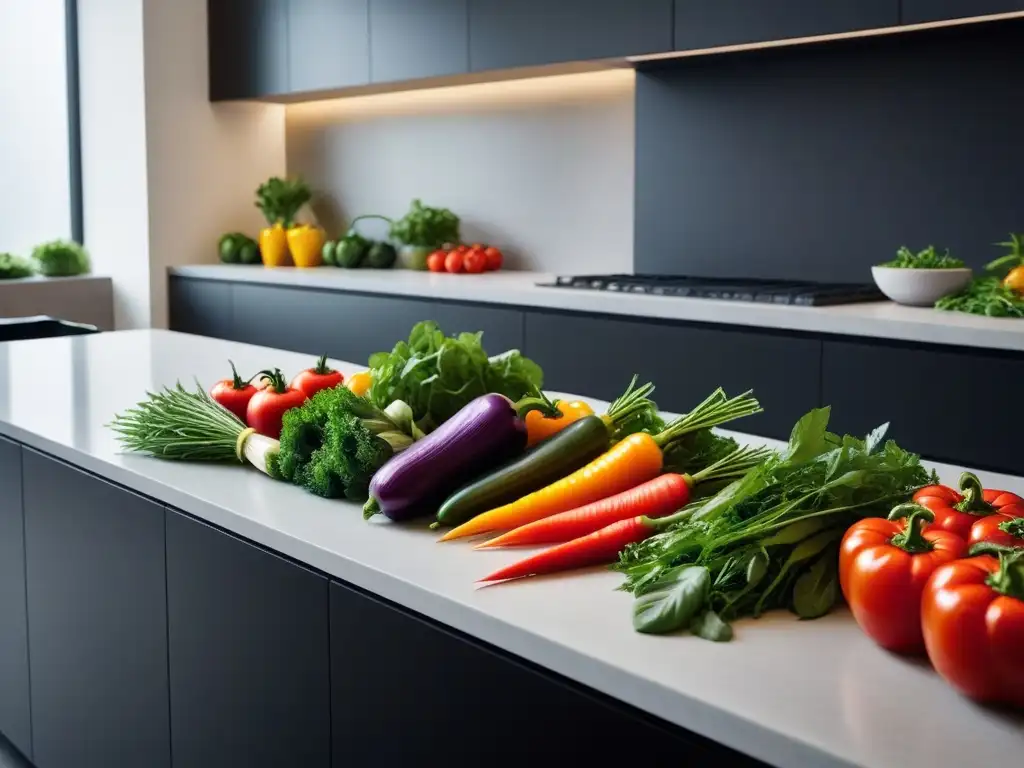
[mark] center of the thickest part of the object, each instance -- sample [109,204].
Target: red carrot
[656,498]
[602,546]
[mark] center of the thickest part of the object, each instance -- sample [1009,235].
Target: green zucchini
[552,459]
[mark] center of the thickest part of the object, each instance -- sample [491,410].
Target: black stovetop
[794,292]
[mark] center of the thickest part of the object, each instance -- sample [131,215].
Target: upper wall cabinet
[248,42]
[523,33]
[328,44]
[711,23]
[916,11]
[418,38]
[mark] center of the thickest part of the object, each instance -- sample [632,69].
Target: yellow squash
[274,246]
[306,244]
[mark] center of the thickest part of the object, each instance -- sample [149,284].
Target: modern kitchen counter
[884,320]
[790,693]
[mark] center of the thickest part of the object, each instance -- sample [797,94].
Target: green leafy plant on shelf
[13,267]
[929,258]
[61,258]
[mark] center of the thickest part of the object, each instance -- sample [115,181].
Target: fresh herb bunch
[985,296]
[13,267]
[437,375]
[426,227]
[61,258]
[281,199]
[769,540]
[334,443]
[929,258]
[1015,258]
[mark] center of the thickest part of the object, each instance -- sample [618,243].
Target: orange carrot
[635,460]
[656,498]
[601,546]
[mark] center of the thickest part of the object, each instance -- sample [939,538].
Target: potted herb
[920,279]
[422,230]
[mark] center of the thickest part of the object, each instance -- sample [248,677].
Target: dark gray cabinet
[328,44]
[249,665]
[687,362]
[418,38]
[710,23]
[202,307]
[949,405]
[351,326]
[505,34]
[15,717]
[917,11]
[248,46]
[97,616]
[454,700]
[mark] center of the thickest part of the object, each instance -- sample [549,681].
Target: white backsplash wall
[542,168]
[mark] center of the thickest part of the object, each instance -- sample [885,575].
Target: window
[40,190]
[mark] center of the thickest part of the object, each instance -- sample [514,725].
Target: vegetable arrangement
[280,201]
[471,259]
[704,531]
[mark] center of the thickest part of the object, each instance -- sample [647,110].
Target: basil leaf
[710,626]
[672,602]
[816,591]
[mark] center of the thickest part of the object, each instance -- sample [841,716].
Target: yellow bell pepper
[306,243]
[274,246]
[359,383]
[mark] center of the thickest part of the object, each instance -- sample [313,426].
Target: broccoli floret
[333,444]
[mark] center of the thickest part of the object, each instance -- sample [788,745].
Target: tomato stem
[236,381]
[276,379]
[321,368]
[911,540]
[974,502]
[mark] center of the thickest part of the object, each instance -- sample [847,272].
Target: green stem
[371,508]
[739,462]
[629,404]
[534,403]
[276,379]
[236,381]
[971,490]
[1014,527]
[1009,579]
[352,224]
[716,409]
[911,540]
[321,368]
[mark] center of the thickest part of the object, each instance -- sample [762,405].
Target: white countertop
[792,693]
[874,319]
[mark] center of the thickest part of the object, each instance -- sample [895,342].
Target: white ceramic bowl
[919,287]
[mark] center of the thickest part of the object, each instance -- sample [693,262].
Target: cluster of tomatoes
[472,259]
[262,405]
[944,576]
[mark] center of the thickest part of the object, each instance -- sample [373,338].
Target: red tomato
[475,261]
[435,261]
[267,407]
[972,613]
[312,380]
[883,568]
[494,258]
[453,263]
[461,248]
[234,394]
[475,246]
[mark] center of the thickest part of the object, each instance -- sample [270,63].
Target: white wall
[543,168]
[34,194]
[165,172]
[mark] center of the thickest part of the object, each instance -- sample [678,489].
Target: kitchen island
[193,615]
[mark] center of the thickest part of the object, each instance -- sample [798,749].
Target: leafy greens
[437,375]
[770,539]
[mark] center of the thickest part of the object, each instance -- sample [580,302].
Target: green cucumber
[552,459]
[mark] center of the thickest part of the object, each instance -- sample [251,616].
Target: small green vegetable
[381,256]
[333,444]
[237,248]
[61,258]
[929,258]
[437,375]
[426,227]
[985,296]
[350,251]
[327,254]
[227,247]
[12,267]
[249,252]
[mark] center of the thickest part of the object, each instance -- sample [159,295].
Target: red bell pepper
[883,567]
[1001,529]
[957,512]
[972,613]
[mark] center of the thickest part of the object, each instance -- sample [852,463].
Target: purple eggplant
[483,435]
